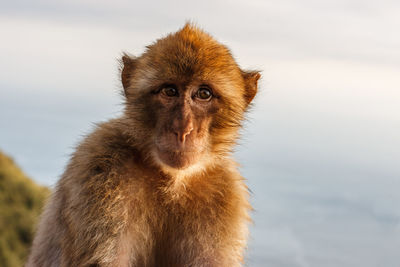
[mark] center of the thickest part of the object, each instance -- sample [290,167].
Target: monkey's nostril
[181,135]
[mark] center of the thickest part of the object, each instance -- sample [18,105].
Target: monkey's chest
[185,239]
[183,235]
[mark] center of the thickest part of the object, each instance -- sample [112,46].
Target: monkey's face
[188,119]
[187,97]
[183,114]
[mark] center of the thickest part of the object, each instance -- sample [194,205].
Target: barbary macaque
[158,185]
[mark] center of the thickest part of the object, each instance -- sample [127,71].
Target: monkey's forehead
[187,56]
[225,82]
[182,59]
[184,64]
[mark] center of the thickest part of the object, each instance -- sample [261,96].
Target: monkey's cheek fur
[178,159]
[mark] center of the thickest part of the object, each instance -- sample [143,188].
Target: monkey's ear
[250,80]
[128,66]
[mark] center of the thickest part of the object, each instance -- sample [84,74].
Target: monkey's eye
[204,93]
[169,91]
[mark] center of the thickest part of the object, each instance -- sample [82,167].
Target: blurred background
[321,148]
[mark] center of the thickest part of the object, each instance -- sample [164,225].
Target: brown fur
[119,203]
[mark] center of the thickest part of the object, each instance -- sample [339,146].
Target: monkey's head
[186,97]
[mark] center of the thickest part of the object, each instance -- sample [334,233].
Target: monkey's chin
[177,160]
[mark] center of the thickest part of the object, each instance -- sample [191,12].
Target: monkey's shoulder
[108,149]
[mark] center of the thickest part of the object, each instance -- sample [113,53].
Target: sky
[321,146]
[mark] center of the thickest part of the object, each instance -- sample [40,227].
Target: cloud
[362,31]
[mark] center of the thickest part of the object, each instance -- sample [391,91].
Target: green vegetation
[21,201]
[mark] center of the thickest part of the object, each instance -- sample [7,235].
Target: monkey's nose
[183,132]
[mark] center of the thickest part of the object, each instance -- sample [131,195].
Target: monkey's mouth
[178,159]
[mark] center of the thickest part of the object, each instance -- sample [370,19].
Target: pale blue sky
[321,148]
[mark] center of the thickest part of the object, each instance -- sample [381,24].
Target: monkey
[158,186]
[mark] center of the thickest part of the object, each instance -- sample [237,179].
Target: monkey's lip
[179,159]
[179,150]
